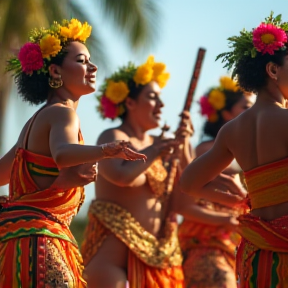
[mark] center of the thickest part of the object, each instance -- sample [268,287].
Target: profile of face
[245,102]
[279,76]
[146,108]
[77,72]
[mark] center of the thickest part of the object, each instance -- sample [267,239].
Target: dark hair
[134,91]
[35,88]
[251,72]
[231,98]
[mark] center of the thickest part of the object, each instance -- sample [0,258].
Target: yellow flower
[162,79]
[144,74]
[86,32]
[117,91]
[150,60]
[217,99]
[76,30]
[228,84]
[158,68]
[50,46]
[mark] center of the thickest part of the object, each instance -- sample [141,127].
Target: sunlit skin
[257,137]
[55,131]
[231,171]
[125,184]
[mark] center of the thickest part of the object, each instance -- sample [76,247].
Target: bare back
[261,132]
[258,137]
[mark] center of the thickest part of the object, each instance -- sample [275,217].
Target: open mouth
[91,78]
[157,115]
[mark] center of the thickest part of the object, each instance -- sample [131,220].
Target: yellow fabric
[150,259]
[267,184]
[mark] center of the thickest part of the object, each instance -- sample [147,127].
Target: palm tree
[134,18]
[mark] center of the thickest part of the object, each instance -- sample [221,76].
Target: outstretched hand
[121,149]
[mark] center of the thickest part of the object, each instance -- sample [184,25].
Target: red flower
[267,38]
[206,107]
[108,108]
[30,57]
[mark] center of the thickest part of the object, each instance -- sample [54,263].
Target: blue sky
[184,26]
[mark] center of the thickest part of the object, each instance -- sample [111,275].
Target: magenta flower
[267,38]
[30,57]
[206,107]
[109,109]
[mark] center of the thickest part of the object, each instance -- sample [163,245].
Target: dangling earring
[55,83]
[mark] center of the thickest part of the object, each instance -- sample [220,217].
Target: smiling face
[77,72]
[146,108]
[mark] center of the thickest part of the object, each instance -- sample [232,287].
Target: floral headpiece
[116,88]
[268,37]
[35,55]
[215,99]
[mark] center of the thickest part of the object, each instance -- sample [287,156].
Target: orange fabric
[267,184]
[262,257]
[140,274]
[209,255]
[42,217]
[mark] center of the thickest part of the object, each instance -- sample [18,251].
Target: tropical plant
[137,19]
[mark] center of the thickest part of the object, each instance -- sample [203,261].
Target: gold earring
[55,83]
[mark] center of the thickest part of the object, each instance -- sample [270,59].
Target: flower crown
[35,55]
[215,99]
[116,88]
[268,37]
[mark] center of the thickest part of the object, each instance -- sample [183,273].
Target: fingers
[231,185]
[133,155]
[95,171]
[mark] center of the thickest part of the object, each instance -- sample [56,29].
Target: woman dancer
[258,140]
[132,229]
[209,246]
[131,234]
[37,248]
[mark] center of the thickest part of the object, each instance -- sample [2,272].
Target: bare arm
[63,142]
[128,173]
[196,178]
[185,205]
[6,163]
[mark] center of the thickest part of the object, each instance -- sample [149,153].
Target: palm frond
[137,19]
[95,42]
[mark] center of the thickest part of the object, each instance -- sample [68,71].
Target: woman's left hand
[76,176]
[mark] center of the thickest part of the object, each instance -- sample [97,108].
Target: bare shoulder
[59,113]
[203,147]
[111,135]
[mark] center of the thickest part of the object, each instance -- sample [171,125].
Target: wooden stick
[172,170]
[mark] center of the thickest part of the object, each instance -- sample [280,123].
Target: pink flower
[30,57]
[267,38]
[109,109]
[206,107]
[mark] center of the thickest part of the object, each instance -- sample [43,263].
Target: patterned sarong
[152,262]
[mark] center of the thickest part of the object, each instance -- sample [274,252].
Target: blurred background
[129,30]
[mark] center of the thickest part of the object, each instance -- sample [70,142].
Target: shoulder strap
[25,140]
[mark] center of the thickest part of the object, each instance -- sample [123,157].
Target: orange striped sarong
[37,249]
[262,257]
